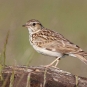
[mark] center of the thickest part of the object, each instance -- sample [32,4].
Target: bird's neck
[32,32]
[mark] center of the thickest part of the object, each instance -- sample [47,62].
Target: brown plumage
[51,43]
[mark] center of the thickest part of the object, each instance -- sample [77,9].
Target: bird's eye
[34,24]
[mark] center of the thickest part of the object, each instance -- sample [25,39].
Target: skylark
[51,43]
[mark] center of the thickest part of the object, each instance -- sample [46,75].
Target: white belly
[47,52]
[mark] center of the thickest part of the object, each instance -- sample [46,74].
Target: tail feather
[81,58]
[82,53]
[85,54]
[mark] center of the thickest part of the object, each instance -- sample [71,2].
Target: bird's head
[33,25]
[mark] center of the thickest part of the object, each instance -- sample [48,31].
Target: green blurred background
[68,17]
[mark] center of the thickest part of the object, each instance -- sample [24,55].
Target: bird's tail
[81,58]
[83,53]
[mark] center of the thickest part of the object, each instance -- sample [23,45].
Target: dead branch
[23,76]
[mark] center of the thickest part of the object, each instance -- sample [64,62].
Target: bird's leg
[57,59]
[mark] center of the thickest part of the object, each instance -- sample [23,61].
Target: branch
[23,76]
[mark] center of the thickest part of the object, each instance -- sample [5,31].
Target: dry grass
[5,45]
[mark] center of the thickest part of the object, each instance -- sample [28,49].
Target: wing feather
[55,42]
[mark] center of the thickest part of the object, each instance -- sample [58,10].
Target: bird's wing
[56,42]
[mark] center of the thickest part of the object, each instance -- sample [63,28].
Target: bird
[52,43]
